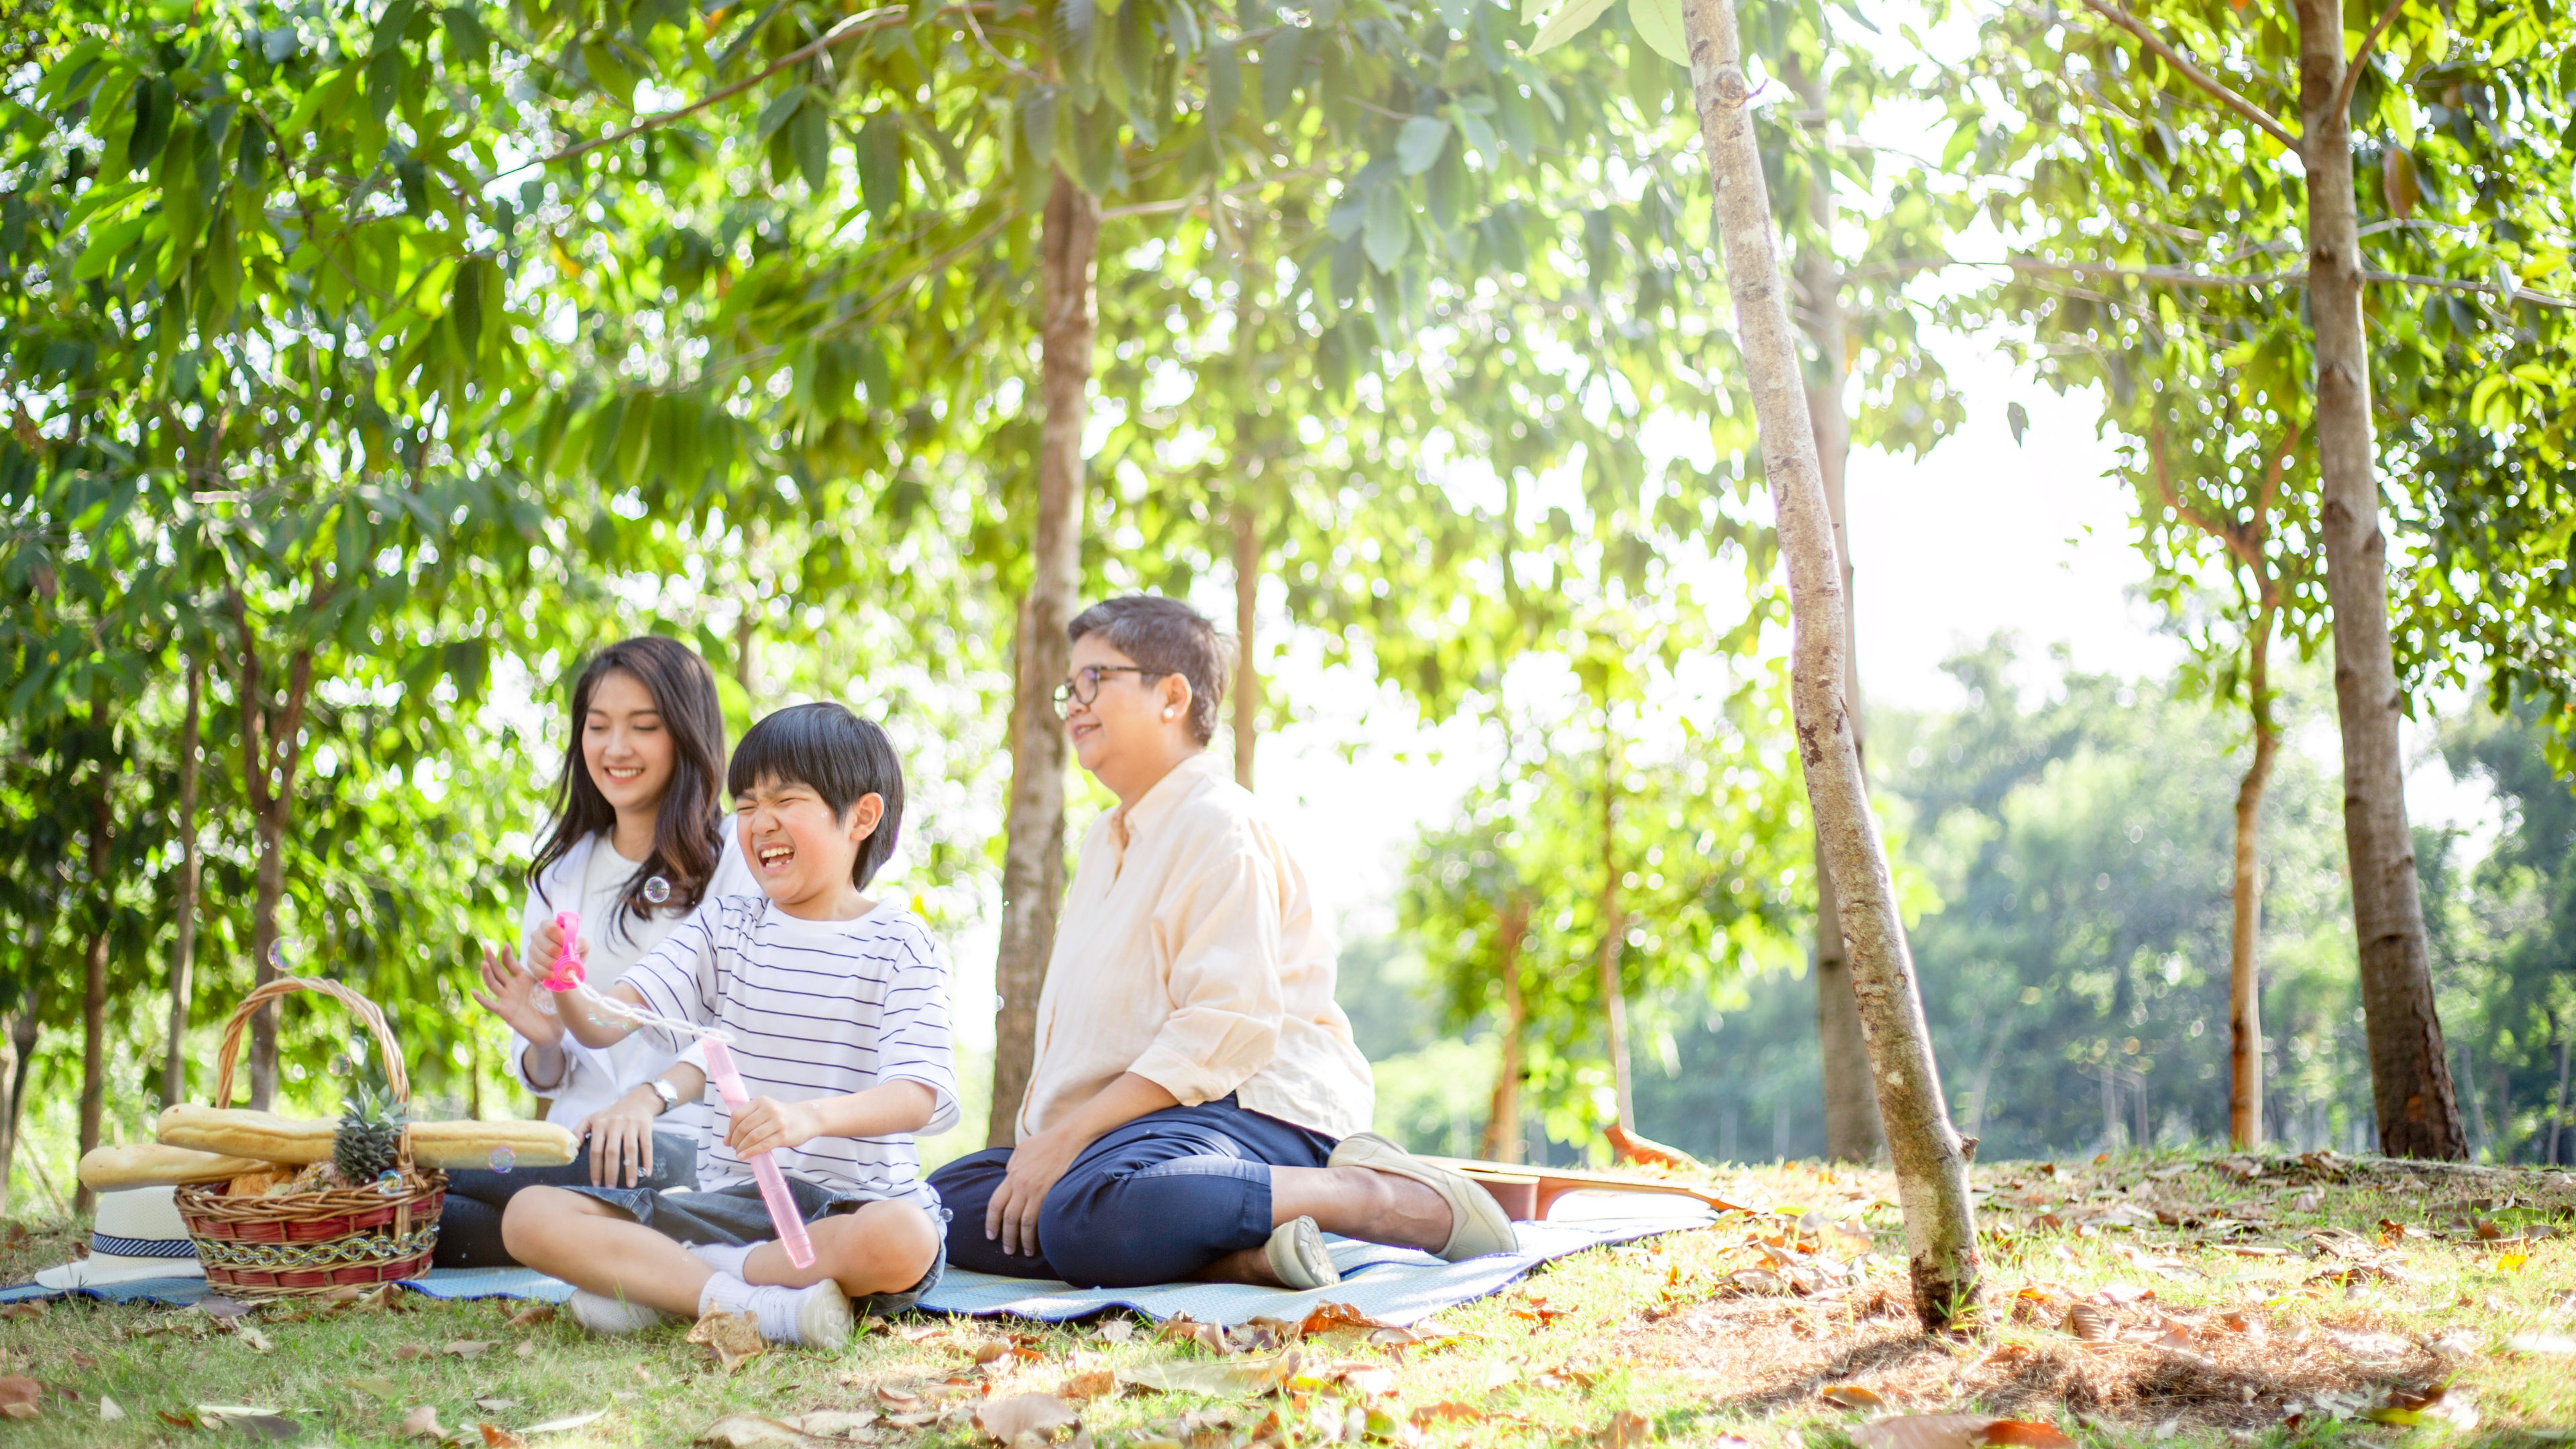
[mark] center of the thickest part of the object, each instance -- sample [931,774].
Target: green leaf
[1095,148]
[1572,20]
[880,155]
[809,135]
[1037,122]
[1224,85]
[775,114]
[1476,133]
[1420,143]
[1659,24]
[1390,226]
[1283,65]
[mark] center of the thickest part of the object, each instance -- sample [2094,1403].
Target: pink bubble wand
[566,974]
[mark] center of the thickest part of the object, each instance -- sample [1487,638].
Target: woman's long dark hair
[688,835]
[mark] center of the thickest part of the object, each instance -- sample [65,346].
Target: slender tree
[1930,1161]
[183,909]
[1033,848]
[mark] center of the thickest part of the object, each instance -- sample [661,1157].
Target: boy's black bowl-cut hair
[838,756]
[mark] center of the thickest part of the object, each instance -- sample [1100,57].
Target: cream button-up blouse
[1190,952]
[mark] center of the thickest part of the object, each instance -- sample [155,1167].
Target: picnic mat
[1396,1285]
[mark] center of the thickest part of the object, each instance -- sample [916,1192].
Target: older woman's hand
[1036,1164]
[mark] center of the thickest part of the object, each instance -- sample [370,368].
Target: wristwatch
[669,1094]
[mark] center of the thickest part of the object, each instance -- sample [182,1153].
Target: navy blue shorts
[1153,1201]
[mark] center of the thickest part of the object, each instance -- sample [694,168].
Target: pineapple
[370,1132]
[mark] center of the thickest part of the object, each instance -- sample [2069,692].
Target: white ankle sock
[774,1309]
[723,1257]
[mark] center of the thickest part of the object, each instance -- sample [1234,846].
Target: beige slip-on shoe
[1478,1224]
[1296,1254]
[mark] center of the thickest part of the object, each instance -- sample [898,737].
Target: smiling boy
[837,1007]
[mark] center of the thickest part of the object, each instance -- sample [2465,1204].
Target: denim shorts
[736,1215]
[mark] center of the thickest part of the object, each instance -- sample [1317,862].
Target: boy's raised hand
[509,992]
[766,1124]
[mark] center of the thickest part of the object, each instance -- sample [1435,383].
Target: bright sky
[1983,535]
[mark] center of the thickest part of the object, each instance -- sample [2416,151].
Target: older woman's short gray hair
[1168,637]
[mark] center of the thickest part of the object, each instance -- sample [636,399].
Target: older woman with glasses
[1195,1102]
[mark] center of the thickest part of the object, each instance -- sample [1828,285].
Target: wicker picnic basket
[299,1244]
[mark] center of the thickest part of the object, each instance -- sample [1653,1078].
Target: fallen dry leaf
[1089,1384]
[1625,1430]
[1368,1380]
[568,1421]
[251,1338]
[18,1389]
[1338,1318]
[1117,1330]
[1447,1411]
[1238,1377]
[109,1410]
[422,1423]
[2088,1323]
[406,1352]
[33,1309]
[833,1423]
[1040,1414]
[527,1348]
[751,1431]
[735,1337]
[533,1314]
[376,1384]
[1852,1396]
[467,1347]
[496,1437]
[1957,1431]
[266,1426]
[491,1405]
[1180,1327]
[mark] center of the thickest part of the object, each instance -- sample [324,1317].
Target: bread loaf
[267,1137]
[154,1164]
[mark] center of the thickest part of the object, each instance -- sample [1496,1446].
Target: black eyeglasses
[1084,687]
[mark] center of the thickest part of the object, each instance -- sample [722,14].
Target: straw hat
[136,1235]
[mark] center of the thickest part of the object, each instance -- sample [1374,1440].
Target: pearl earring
[1167,714]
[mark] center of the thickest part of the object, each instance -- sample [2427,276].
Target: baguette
[153,1164]
[268,1137]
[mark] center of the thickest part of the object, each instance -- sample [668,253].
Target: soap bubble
[460,842]
[545,1001]
[277,956]
[341,1066]
[503,1159]
[657,890]
[389,1183]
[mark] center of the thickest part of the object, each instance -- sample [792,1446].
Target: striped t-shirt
[816,1009]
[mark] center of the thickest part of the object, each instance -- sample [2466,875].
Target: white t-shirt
[815,1009]
[588,879]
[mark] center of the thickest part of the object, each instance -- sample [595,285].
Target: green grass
[1672,1330]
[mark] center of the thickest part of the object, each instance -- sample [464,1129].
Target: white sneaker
[820,1316]
[602,1314]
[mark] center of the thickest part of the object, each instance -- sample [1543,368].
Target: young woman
[1195,1103]
[639,838]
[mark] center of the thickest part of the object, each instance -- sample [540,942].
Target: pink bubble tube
[773,1183]
[566,975]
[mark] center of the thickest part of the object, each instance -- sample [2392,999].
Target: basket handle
[364,1010]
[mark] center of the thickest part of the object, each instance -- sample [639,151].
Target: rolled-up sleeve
[1222,928]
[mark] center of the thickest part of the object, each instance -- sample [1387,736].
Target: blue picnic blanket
[1396,1285]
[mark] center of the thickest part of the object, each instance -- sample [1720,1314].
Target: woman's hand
[509,992]
[621,1139]
[1012,1213]
[766,1124]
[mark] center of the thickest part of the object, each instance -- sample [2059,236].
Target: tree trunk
[1247,592]
[2558,1107]
[93,1097]
[1614,929]
[2410,1073]
[1503,1122]
[1931,1168]
[1245,518]
[2244,974]
[11,1081]
[174,1065]
[1033,849]
[1852,1131]
[269,758]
